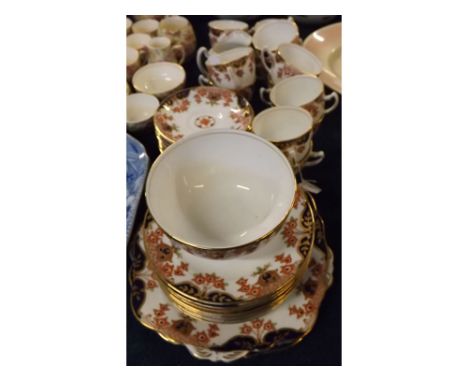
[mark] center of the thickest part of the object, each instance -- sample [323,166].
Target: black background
[323,345]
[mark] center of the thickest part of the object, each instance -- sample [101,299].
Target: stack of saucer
[199,108]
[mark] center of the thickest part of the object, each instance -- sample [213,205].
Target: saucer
[280,328]
[137,167]
[228,282]
[325,43]
[190,110]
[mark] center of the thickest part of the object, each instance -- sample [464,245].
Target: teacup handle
[203,81]
[336,101]
[202,52]
[266,55]
[179,52]
[264,91]
[315,157]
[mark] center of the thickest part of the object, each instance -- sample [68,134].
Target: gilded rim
[247,108]
[164,93]
[322,88]
[211,250]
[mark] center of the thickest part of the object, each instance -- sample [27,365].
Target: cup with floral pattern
[220,28]
[159,79]
[160,49]
[304,91]
[231,69]
[180,31]
[289,60]
[290,129]
[148,26]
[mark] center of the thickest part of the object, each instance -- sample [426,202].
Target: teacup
[234,39]
[139,41]
[159,78]
[232,69]
[304,91]
[262,22]
[148,26]
[270,35]
[160,49]
[289,60]
[129,26]
[220,192]
[140,110]
[290,129]
[180,31]
[133,62]
[220,28]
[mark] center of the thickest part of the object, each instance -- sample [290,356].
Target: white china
[180,31]
[129,26]
[159,79]
[133,62]
[140,110]
[160,49]
[304,91]
[325,43]
[289,60]
[148,26]
[221,28]
[220,189]
[235,39]
[138,41]
[272,34]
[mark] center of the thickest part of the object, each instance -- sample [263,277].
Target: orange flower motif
[257,324]
[219,284]
[244,288]
[246,329]
[151,284]
[209,278]
[154,237]
[242,281]
[255,290]
[202,337]
[269,326]
[167,269]
[161,322]
[309,307]
[199,279]
[213,330]
[288,269]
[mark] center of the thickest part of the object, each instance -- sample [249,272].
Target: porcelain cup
[303,91]
[220,28]
[160,49]
[232,69]
[290,129]
[180,31]
[129,26]
[139,41]
[148,26]
[159,79]
[140,110]
[270,35]
[133,62]
[289,60]
[220,192]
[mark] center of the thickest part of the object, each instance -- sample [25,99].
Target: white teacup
[140,110]
[303,91]
[133,62]
[139,41]
[262,22]
[272,34]
[160,49]
[231,69]
[180,31]
[289,60]
[290,129]
[129,26]
[220,28]
[159,79]
[148,26]
[235,39]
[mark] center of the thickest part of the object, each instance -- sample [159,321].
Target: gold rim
[165,93]
[270,296]
[248,107]
[237,247]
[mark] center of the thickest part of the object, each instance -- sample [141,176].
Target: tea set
[231,258]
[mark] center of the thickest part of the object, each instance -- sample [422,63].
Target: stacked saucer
[199,108]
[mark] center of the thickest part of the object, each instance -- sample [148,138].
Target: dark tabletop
[323,345]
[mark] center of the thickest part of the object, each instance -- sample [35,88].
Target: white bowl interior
[300,58]
[296,91]
[158,78]
[174,23]
[138,40]
[228,24]
[220,189]
[274,33]
[282,123]
[227,56]
[141,107]
[159,42]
